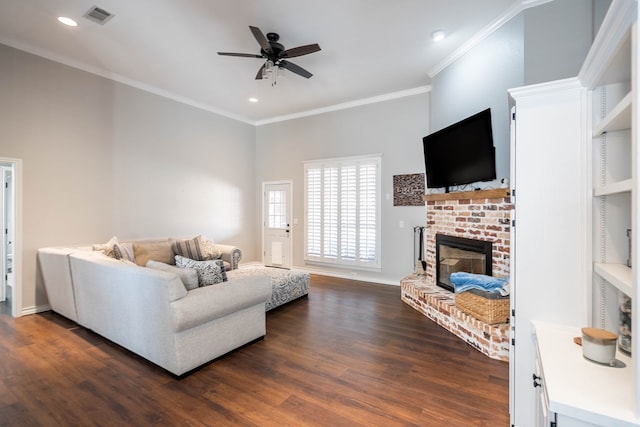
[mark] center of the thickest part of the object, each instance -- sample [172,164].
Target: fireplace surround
[483,215]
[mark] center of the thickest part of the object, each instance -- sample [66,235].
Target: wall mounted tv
[461,153]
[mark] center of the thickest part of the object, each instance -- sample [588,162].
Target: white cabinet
[576,391]
[570,246]
[548,242]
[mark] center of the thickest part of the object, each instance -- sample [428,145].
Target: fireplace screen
[455,254]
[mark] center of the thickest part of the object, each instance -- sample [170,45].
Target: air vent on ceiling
[98,15]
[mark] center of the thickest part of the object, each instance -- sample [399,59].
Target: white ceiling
[370,48]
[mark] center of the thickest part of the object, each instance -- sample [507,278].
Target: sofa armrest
[230,254]
[53,264]
[209,303]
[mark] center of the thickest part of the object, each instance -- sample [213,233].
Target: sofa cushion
[157,251]
[209,272]
[189,276]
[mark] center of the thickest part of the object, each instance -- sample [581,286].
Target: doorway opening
[10,265]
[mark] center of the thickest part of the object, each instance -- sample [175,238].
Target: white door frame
[3,233]
[16,298]
[262,215]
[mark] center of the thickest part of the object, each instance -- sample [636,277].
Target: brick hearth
[482,215]
[439,305]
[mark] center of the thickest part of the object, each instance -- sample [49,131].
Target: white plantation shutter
[314,212]
[342,208]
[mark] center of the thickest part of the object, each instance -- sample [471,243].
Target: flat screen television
[461,153]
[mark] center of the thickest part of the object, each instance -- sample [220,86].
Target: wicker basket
[488,307]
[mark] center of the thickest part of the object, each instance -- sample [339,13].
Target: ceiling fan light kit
[276,56]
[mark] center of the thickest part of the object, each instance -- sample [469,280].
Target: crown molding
[621,15]
[184,100]
[509,14]
[386,97]
[571,83]
[118,78]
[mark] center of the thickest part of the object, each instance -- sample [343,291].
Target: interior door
[276,213]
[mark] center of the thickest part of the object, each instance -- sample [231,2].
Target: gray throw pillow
[209,272]
[189,276]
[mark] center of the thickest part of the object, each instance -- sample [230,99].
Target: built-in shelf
[496,193]
[616,187]
[619,118]
[619,275]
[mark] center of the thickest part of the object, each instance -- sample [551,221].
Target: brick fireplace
[480,215]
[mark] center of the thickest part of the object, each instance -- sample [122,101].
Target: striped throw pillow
[189,248]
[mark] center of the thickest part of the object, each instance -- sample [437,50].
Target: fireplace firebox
[455,254]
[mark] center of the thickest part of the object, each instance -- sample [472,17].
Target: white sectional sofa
[150,312]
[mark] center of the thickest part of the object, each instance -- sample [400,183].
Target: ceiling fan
[276,55]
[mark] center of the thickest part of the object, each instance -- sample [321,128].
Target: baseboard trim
[35,309]
[351,275]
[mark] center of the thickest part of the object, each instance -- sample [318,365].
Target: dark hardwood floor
[349,354]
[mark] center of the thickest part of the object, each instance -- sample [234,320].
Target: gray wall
[394,128]
[557,37]
[103,159]
[479,80]
[545,43]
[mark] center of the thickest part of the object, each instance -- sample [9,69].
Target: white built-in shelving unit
[574,391]
[610,74]
[587,140]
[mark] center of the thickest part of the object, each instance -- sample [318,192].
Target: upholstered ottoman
[287,284]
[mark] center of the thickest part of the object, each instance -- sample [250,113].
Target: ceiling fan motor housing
[276,48]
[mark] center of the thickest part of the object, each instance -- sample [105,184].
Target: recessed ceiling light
[438,35]
[67,21]
[253,99]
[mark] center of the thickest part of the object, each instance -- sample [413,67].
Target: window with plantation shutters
[342,209]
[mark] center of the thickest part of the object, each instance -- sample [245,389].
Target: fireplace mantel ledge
[495,193]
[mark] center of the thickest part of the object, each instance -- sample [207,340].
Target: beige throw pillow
[153,251]
[209,249]
[106,248]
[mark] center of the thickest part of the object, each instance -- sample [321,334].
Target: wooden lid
[599,334]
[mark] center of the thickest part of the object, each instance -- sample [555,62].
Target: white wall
[394,128]
[102,159]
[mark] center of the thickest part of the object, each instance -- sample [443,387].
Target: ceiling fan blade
[259,75]
[243,55]
[261,39]
[295,69]
[300,50]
